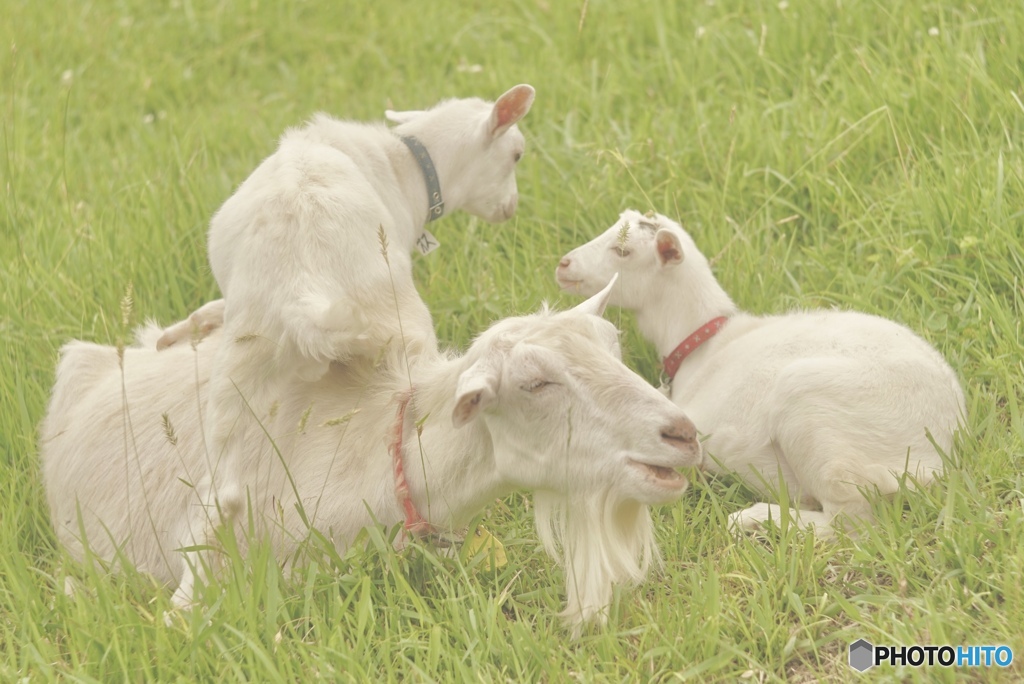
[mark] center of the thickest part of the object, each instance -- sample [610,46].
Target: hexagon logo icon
[862,655]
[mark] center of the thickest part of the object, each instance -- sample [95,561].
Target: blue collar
[419,152]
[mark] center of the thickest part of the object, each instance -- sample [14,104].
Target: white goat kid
[835,403]
[540,403]
[313,254]
[300,237]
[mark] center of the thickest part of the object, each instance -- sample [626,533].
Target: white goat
[312,254]
[540,403]
[835,403]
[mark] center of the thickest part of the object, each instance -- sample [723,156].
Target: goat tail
[148,336]
[600,540]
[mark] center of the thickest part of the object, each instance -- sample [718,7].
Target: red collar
[414,522]
[704,333]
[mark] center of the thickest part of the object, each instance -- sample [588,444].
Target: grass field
[858,154]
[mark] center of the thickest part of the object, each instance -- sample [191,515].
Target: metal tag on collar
[436,210]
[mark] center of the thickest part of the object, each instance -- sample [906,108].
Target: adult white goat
[835,403]
[312,254]
[540,403]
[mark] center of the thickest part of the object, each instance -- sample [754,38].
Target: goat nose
[680,433]
[564,263]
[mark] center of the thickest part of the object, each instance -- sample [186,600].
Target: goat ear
[596,305]
[510,108]
[401,117]
[477,389]
[670,249]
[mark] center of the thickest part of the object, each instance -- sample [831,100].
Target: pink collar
[414,522]
[704,333]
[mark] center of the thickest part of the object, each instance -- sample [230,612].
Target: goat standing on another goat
[540,403]
[835,403]
[312,255]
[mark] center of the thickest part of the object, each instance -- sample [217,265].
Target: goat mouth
[568,284]
[662,475]
[678,442]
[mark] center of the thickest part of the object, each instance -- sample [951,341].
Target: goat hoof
[752,519]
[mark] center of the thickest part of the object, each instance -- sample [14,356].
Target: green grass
[845,153]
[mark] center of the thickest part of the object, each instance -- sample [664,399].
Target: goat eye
[536,385]
[621,251]
[519,155]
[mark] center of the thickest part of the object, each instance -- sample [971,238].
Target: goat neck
[451,474]
[409,175]
[432,183]
[414,522]
[670,363]
[689,299]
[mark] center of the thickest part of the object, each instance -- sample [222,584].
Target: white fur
[542,403]
[312,255]
[835,403]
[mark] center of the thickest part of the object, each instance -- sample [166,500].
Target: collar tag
[426,243]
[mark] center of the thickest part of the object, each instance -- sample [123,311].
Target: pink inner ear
[509,111]
[667,251]
[466,408]
[512,107]
[468,404]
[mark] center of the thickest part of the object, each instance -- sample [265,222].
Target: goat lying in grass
[540,403]
[835,403]
[312,255]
